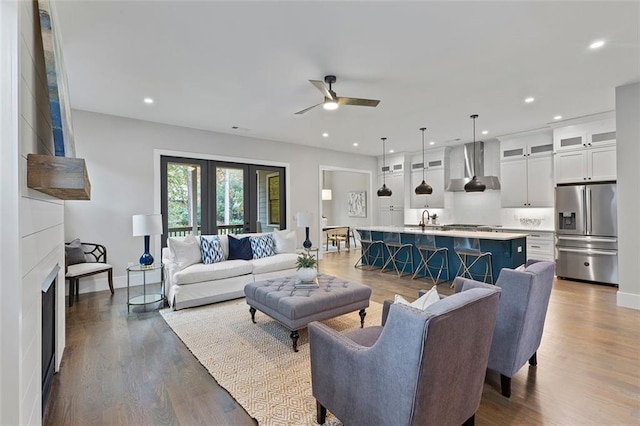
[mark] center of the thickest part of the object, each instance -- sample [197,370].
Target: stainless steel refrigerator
[587,232]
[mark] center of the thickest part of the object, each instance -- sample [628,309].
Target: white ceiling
[213,65]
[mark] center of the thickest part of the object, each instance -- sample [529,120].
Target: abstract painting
[56,84]
[357,204]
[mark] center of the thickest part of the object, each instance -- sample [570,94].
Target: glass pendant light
[384,191]
[424,188]
[474,185]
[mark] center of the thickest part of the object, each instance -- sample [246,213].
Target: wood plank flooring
[121,368]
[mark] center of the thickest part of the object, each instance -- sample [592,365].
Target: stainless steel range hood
[473,166]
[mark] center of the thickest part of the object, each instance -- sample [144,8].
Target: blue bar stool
[426,246]
[469,253]
[371,251]
[395,247]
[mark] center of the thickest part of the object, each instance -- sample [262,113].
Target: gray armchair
[521,316]
[421,368]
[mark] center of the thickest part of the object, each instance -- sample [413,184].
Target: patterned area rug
[255,363]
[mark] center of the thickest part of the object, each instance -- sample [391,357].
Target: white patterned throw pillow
[211,250]
[262,246]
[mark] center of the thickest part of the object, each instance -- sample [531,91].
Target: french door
[206,197]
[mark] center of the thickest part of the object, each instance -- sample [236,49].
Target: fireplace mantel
[62,177]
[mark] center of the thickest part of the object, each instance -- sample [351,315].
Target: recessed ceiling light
[596,44]
[557,117]
[484,132]
[432,143]
[391,151]
[148,101]
[325,135]
[355,144]
[529,100]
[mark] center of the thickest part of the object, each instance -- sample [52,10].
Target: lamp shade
[326,195]
[147,224]
[304,219]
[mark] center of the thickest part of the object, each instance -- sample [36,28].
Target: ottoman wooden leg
[253,314]
[294,336]
[362,315]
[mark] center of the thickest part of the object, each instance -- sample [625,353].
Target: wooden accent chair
[95,256]
[420,368]
[336,236]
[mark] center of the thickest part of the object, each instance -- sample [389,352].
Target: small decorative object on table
[306,265]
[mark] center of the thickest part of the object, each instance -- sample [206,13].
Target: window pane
[229,200]
[183,199]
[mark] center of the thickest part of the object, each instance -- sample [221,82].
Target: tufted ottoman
[295,308]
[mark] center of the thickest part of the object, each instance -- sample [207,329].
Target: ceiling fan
[332,101]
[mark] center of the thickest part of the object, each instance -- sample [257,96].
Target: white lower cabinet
[540,244]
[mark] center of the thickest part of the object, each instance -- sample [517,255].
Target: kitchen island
[509,250]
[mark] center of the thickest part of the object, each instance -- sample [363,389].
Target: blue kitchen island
[509,250]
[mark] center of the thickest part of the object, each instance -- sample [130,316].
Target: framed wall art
[357,204]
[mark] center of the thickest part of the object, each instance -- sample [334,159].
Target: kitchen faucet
[423,224]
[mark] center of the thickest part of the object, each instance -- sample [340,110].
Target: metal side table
[145,298]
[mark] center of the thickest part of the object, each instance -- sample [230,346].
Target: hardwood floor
[121,368]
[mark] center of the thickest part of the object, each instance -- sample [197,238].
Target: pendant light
[474,185]
[384,191]
[424,188]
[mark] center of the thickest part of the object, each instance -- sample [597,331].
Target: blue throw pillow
[240,248]
[262,246]
[211,250]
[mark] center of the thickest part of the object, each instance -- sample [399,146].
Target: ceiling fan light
[474,185]
[330,105]
[424,189]
[384,191]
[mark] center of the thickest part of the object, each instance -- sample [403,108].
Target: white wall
[32,222]
[628,154]
[341,183]
[119,153]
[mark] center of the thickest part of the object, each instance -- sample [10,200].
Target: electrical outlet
[519,249]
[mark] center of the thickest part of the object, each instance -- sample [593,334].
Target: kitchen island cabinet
[509,250]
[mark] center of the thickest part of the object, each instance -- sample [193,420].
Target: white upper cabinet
[585,152]
[435,174]
[526,169]
[533,145]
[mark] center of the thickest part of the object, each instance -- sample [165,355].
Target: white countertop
[521,229]
[500,236]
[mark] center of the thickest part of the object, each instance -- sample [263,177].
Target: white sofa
[200,284]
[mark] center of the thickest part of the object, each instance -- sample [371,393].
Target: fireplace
[48,332]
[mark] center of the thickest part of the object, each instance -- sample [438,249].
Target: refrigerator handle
[588,224]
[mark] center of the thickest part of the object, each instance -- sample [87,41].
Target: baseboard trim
[628,300]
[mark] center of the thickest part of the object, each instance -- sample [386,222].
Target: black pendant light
[424,188]
[474,185]
[384,191]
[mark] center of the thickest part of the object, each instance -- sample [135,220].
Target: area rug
[255,363]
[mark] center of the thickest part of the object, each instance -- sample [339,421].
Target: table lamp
[305,219]
[146,225]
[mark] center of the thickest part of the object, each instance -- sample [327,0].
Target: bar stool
[426,246]
[368,248]
[469,253]
[394,247]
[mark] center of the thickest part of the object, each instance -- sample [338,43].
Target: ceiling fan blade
[358,102]
[322,88]
[307,109]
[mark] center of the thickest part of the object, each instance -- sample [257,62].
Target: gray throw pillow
[74,252]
